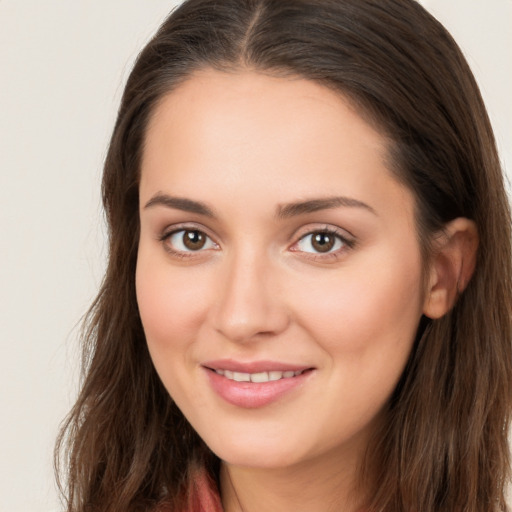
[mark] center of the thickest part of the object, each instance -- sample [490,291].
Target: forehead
[266,108]
[229,135]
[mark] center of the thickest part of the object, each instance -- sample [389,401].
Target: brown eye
[188,240]
[321,242]
[194,240]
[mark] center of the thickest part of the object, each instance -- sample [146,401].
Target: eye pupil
[193,240]
[323,242]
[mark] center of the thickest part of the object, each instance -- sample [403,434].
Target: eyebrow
[284,211]
[180,203]
[314,205]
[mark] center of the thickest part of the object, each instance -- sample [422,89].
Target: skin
[245,144]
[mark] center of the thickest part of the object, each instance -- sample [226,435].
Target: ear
[452,266]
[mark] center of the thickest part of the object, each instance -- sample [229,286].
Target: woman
[307,302]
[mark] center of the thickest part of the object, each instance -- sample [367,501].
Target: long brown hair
[444,445]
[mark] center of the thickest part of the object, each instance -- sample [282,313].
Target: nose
[249,305]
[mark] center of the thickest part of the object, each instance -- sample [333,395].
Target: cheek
[171,307]
[171,311]
[365,322]
[367,307]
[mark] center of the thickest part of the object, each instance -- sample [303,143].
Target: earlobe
[452,266]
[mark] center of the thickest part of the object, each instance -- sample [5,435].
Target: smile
[258,377]
[256,384]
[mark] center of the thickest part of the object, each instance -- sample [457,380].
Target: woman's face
[279,272]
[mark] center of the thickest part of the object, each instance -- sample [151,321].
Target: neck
[322,487]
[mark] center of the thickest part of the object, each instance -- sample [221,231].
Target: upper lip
[254,366]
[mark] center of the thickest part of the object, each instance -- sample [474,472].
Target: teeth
[258,377]
[241,377]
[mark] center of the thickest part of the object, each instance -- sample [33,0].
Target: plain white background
[63,64]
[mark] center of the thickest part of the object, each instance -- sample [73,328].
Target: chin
[268,459]
[255,452]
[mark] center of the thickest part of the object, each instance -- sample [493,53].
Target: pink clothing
[204,495]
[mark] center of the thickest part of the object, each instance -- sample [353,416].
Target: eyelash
[339,238]
[168,234]
[346,243]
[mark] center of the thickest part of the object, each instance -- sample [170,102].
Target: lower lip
[251,395]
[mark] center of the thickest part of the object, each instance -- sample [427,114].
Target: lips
[254,384]
[253,366]
[259,376]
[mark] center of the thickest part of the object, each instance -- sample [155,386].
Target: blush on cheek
[352,313]
[159,320]
[154,307]
[169,306]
